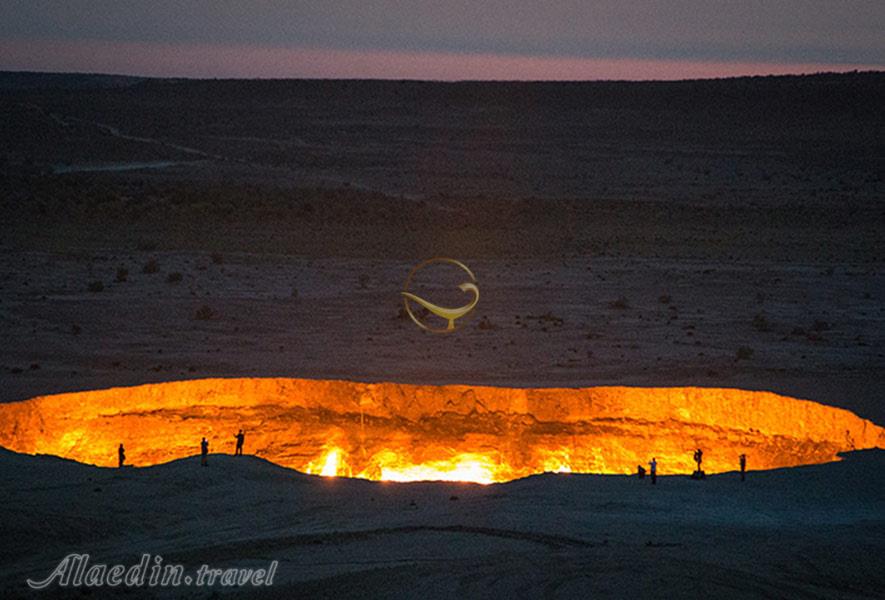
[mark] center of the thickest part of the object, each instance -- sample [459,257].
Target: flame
[329,464]
[557,461]
[399,432]
[467,466]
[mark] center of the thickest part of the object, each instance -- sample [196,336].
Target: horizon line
[230,61]
[871,71]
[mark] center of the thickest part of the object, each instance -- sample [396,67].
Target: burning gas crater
[398,432]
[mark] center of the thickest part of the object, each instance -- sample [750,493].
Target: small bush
[95,286]
[217,258]
[744,353]
[664,298]
[760,323]
[174,277]
[122,275]
[204,313]
[547,318]
[151,267]
[619,304]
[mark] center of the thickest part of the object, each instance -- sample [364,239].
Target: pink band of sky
[238,61]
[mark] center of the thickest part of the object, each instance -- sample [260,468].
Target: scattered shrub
[204,313]
[174,277]
[151,266]
[619,304]
[760,323]
[744,353]
[95,286]
[122,275]
[664,298]
[217,258]
[547,318]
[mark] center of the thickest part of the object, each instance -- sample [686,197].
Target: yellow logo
[449,314]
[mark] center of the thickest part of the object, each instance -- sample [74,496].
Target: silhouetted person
[204,452]
[653,468]
[743,467]
[121,455]
[640,471]
[698,459]
[241,437]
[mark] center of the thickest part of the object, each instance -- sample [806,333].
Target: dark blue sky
[444,39]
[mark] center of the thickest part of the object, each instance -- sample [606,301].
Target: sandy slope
[808,532]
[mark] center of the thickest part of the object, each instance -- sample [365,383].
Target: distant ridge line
[29,80]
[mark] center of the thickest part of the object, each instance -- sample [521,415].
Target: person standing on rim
[241,437]
[204,452]
[653,469]
[699,458]
[743,467]
[121,455]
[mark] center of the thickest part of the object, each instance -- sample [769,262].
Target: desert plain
[724,233]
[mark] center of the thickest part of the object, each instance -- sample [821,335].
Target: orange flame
[398,432]
[329,465]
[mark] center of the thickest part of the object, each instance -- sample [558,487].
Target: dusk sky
[445,40]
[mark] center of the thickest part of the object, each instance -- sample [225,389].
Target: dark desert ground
[719,233]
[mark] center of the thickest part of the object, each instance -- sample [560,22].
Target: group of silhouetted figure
[698,472]
[640,470]
[238,450]
[204,449]
[653,470]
